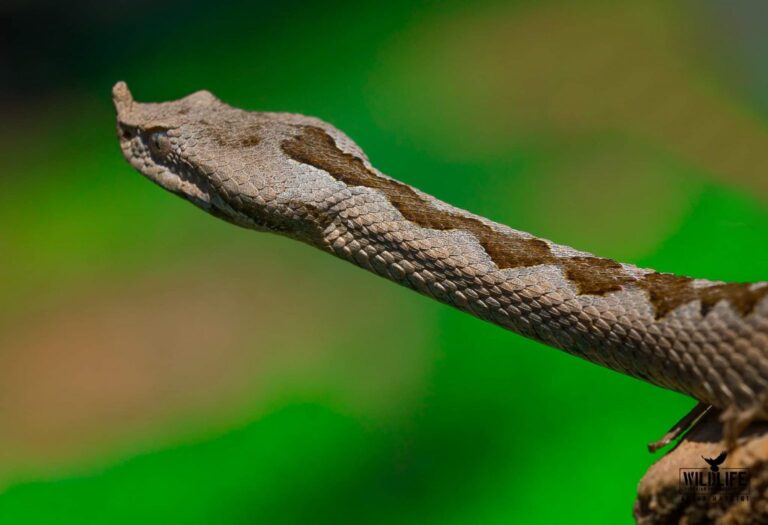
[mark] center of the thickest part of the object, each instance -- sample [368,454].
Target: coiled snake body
[300,177]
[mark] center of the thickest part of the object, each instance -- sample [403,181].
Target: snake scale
[301,177]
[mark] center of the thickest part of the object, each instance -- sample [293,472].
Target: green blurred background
[160,366]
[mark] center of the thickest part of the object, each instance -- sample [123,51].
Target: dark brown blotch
[249,139]
[668,291]
[595,275]
[507,251]
[741,296]
[229,139]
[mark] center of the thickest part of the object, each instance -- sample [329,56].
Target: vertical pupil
[159,142]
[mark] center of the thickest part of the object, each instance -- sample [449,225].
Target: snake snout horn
[122,98]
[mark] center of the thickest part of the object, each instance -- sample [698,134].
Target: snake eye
[159,143]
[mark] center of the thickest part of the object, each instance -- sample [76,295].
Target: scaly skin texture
[300,177]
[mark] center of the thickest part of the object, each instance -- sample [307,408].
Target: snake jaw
[177,146]
[166,168]
[169,173]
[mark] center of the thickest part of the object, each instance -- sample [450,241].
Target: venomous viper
[303,178]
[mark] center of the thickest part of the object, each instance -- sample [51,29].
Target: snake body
[301,177]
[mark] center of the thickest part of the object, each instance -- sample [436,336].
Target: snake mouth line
[171,172]
[180,177]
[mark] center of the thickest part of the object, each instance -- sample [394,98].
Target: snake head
[225,160]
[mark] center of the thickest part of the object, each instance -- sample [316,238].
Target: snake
[300,177]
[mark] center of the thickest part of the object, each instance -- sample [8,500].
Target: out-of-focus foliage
[160,366]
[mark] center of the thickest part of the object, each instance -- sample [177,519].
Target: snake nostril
[126,133]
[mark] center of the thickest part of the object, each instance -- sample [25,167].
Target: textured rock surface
[660,500]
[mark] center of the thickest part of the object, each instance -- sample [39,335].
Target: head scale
[225,160]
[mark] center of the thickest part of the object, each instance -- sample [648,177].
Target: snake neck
[594,308]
